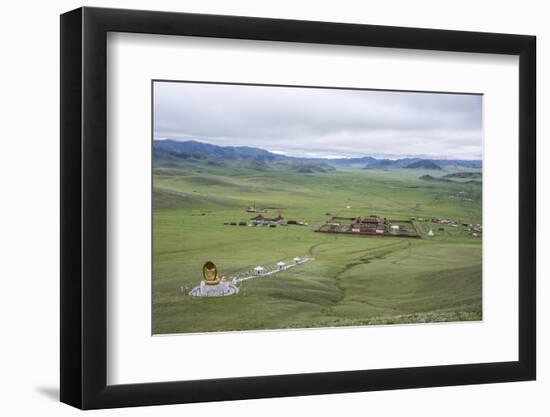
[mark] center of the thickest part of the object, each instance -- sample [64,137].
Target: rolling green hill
[474,175]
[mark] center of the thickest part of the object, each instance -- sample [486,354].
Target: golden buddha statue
[210,273]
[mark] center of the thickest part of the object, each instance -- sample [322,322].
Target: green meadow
[353,280]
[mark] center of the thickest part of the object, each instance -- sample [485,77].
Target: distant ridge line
[194,148]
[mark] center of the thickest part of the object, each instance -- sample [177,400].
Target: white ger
[259,270]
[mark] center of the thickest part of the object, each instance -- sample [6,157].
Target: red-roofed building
[259,219]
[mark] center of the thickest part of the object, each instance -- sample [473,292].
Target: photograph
[291,207]
[262,209]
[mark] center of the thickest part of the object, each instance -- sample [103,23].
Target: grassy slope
[353,280]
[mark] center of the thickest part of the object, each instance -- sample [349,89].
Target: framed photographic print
[258,207]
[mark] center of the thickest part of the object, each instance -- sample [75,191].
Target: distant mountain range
[423,164]
[170,151]
[193,148]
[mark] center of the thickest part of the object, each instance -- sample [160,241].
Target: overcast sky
[313,122]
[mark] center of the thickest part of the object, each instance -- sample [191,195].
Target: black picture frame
[84,207]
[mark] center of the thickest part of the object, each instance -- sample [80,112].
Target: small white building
[297,260]
[259,270]
[280,266]
[430,233]
[395,228]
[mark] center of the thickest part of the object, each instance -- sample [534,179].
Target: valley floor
[354,280]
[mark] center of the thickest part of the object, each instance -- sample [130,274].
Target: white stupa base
[219,290]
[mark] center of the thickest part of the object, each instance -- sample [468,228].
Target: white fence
[268,272]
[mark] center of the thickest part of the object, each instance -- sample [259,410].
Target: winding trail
[367,257]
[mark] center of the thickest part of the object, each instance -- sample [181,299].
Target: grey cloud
[321,122]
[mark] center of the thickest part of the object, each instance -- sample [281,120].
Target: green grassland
[353,280]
